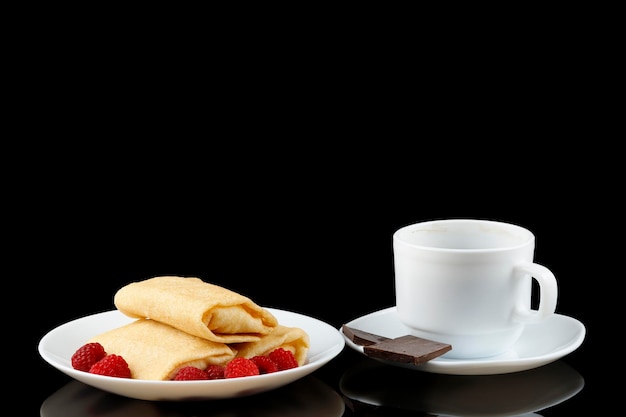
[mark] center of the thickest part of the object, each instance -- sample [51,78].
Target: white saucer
[539,344]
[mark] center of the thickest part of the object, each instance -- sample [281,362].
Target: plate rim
[482,366]
[261,383]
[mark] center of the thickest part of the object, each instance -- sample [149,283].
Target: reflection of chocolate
[381,386]
[306,397]
[404,349]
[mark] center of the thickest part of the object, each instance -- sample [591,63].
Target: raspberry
[86,355]
[214,372]
[239,367]
[283,358]
[111,365]
[265,364]
[190,373]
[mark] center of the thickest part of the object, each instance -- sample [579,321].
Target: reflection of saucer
[373,383]
[306,397]
[539,344]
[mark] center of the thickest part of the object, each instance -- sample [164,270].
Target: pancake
[196,307]
[156,351]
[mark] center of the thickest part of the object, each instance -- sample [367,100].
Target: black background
[284,179]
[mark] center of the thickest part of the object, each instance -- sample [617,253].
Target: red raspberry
[111,365]
[86,355]
[190,373]
[265,364]
[215,372]
[239,367]
[283,358]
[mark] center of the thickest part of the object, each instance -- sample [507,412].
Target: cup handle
[548,293]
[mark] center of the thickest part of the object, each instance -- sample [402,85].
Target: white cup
[468,283]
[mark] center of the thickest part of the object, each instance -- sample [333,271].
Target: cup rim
[521,230]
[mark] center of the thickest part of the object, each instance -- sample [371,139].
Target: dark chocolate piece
[407,349]
[361,338]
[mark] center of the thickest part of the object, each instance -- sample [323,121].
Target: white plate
[58,345]
[539,344]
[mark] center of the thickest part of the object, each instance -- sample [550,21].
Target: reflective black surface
[353,385]
[320,249]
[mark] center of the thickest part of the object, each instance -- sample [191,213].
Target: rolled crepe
[196,307]
[294,339]
[156,351]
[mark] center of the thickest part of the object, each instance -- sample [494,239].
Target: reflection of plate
[307,397]
[58,345]
[373,383]
[539,344]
